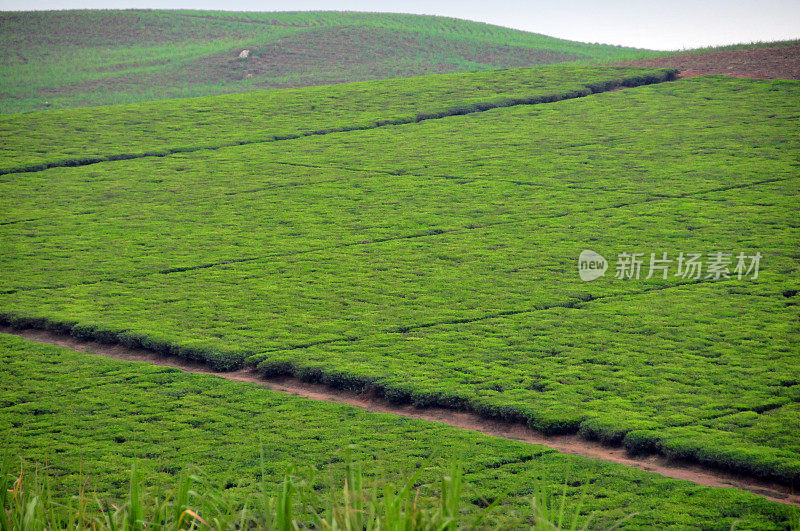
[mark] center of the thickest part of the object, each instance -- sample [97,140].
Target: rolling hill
[62,59]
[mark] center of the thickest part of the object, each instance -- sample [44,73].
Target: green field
[103,415]
[436,262]
[63,59]
[416,239]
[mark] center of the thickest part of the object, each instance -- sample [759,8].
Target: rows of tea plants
[78,136]
[260,200]
[100,417]
[436,262]
[718,385]
[389,284]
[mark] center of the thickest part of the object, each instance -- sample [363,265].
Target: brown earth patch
[568,444]
[770,62]
[346,54]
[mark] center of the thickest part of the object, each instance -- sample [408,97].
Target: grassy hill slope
[68,59]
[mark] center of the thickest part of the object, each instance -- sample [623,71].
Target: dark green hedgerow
[715,449]
[590,88]
[707,447]
[611,434]
[216,359]
[276,368]
[399,394]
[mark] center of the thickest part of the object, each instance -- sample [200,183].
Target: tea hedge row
[141,217]
[704,372]
[451,276]
[350,291]
[671,138]
[100,416]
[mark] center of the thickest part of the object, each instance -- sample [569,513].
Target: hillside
[168,422]
[63,59]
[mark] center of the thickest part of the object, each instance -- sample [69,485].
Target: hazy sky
[667,24]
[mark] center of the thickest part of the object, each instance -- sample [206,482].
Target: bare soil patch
[569,444]
[773,62]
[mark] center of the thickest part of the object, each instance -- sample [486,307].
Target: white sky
[663,25]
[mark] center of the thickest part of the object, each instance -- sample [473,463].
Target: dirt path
[769,62]
[568,444]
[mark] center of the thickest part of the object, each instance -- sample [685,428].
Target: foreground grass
[102,416]
[63,59]
[28,502]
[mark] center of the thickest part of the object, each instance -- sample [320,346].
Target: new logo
[591,265]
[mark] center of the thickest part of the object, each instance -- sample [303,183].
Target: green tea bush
[641,442]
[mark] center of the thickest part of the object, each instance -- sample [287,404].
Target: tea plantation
[430,261]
